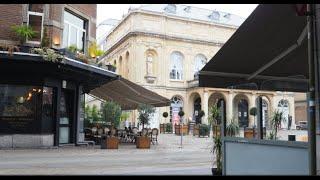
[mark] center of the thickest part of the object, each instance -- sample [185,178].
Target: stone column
[252,103]
[205,107]
[229,106]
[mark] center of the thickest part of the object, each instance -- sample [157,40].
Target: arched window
[176,67]
[175,107]
[200,61]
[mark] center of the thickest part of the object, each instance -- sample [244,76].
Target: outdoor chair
[106,130]
[134,134]
[154,135]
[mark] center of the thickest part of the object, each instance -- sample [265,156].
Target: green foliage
[48,54]
[87,116]
[124,116]
[45,41]
[165,114]
[204,130]
[94,50]
[253,111]
[95,114]
[213,114]
[111,112]
[181,113]
[145,111]
[73,48]
[233,128]
[271,136]
[169,127]
[276,121]
[217,150]
[24,32]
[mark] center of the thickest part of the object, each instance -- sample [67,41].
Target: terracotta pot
[143,142]
[112,143]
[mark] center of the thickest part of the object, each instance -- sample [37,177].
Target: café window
[74,31]
[35,21]
[26,109]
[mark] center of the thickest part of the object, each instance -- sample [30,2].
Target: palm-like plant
[233,128]
[217,150]
[276,121]
[24,32]
[214,114]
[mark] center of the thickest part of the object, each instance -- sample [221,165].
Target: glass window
[200,62]
[35,21]
[19,106]
[48,122]
[36,8]
[176,68]
[74,32]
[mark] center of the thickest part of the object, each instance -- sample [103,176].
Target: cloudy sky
[116,11]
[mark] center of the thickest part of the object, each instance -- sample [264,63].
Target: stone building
[162,47]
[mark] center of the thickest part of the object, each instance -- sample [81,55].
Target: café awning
[267,52]
[128,94]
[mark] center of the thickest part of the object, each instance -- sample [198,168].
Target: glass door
[66,117]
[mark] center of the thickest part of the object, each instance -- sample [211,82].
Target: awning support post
[311,93]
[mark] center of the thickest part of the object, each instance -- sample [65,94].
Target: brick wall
[10,14]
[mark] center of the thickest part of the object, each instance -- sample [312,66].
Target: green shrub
[204,130]
[169,127]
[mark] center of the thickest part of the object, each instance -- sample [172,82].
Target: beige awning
[128,94]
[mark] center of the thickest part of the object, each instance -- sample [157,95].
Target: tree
[233,128]
[111,112]
[145,111]
[87,116]
[95,114]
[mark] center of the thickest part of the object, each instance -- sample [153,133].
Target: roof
[195,13]
[267,52]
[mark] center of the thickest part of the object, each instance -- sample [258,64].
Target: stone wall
[26,140]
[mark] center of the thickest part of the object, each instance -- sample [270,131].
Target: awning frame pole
[311,93]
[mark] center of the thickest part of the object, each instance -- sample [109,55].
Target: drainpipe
[311,93]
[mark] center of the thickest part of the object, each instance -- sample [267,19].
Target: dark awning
[99,82]
[267,52]
[128,94]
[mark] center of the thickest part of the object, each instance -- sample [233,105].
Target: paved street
[166,158]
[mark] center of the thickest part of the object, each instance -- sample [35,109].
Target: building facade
[41,100]
[163,47]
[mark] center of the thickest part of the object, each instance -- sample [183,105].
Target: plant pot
[112,143]
[215,172]
[24,49]
[111,68]
[143,142]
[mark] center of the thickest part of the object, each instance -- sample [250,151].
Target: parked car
[302,125]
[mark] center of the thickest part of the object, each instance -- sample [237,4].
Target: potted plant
[94,50]
[181,128]
[169,127]
[233,128]
[162,126]
[145,112]
[24,32]
[204,130]
[111,113]
[82,57]
[276,120]
[250,132]
[214,122]
[10,48]
[217,151]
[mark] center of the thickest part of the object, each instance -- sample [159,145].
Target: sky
[116,11]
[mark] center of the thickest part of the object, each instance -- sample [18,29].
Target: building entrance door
[66,117]
[197,109]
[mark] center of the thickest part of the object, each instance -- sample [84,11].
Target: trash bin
[291,137]
[103,142]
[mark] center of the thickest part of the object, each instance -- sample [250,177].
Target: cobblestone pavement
[165,158]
